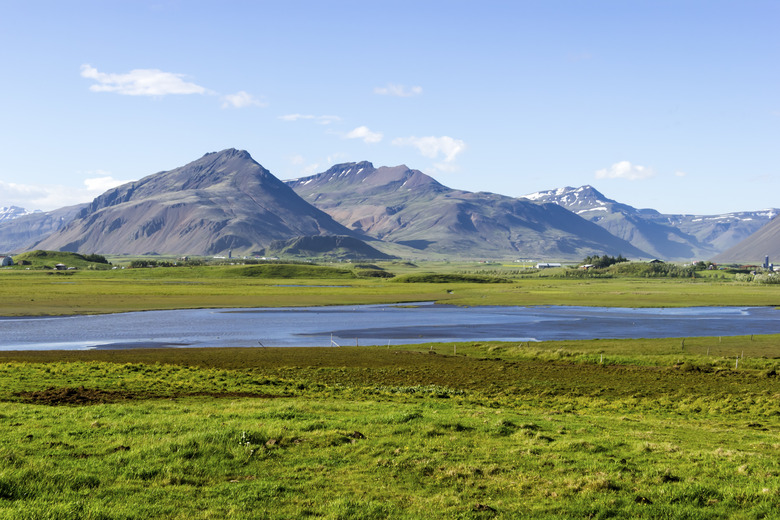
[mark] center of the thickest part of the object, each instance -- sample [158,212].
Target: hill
[223,201]
[40,259]
[331,247]
[407,207]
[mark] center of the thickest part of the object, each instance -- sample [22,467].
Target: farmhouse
[6,261]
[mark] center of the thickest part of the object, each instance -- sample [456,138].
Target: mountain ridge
[407,207]
[681,237]
[220,202]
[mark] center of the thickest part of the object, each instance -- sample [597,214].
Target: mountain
[407,207]
[23,232]
[670,237]
[220,202]
[12,212]
[752,250]
[726,230]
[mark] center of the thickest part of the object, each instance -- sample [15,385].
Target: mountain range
[225,201]
[665,236]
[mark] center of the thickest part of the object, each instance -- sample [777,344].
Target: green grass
[499,430]
[85,291]
[40,259]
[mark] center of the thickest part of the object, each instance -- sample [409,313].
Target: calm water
[375,325]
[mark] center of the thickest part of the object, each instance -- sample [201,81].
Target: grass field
[662,428]
[86,291]
[496,431]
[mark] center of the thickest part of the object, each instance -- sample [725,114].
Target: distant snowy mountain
[12,212]
[670,237]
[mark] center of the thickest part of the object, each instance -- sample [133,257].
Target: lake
[375,325]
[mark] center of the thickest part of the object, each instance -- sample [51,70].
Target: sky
[671,105]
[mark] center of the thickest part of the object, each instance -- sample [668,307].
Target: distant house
[547,265]
[6,261]
[60,267]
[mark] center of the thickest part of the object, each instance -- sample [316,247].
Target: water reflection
[375,325]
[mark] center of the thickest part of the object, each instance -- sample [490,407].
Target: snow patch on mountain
[12,212]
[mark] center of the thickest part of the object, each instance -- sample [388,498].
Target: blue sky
[670,105]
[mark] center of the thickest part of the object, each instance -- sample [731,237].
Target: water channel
[375,325]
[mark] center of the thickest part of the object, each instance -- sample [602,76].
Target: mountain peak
[350,168]
[224,200]
[230,153]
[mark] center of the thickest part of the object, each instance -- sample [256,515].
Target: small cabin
[6,260]
[60,267]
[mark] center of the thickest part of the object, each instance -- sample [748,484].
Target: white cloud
[445,167]
[398,90]
[297,159]
[680,174]
[625,170]
[241,100]
[433,147]
[321,120]
[141,82]
[310,170]
[336,158]
[362,132]
[49,197]
[100,184]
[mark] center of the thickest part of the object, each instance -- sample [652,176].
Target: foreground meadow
[668,428]
[613,429]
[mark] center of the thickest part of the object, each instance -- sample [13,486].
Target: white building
[6,261]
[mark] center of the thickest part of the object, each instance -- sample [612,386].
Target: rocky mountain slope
[407,207]
[669,237]
[220,202]
[752,250]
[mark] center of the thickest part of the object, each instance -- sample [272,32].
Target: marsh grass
[498,431]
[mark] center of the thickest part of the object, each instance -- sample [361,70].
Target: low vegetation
[496,430]
[40,259]
[284,284]
[450,278]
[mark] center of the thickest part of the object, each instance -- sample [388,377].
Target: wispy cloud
[625,170]
[141,82]
[241,100]
[48,197]
[398,90]
[678,173]
[321,120]
[434,147]
[104,182]
[362,132]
